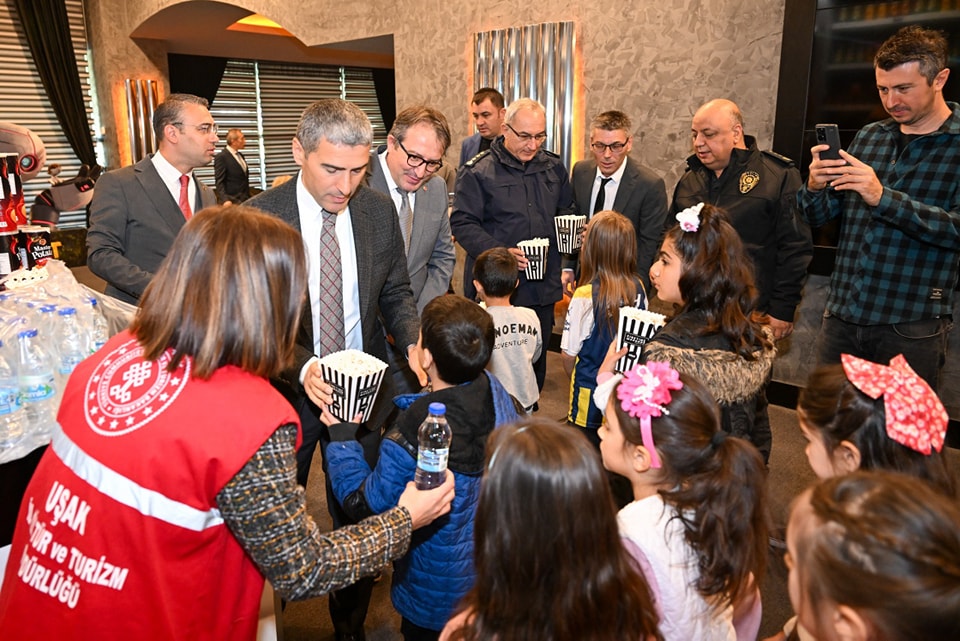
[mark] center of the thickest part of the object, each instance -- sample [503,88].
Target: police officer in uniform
[758,191]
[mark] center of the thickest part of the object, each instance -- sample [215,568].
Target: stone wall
[657,61]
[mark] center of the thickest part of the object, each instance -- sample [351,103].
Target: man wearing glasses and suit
[405,169]
[510,193]
[137,211]
[614,180]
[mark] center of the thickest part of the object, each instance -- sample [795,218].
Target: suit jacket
[232,180]
[642,197]
[133,221]
[384,286]
[469,148]
[431,256]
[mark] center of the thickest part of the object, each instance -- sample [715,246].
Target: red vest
[118,535]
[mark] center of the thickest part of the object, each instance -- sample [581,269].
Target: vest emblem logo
[125,392]
[748,180]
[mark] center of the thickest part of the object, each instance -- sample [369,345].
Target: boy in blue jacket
[456,340]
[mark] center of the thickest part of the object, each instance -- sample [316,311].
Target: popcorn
[635,328]
[569,232]
[536,252]
[355,378]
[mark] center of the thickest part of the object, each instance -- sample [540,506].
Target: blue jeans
[922,342]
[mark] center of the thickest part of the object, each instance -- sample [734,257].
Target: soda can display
[9,252]
[35,247]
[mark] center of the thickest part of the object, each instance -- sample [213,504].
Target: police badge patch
[748,180]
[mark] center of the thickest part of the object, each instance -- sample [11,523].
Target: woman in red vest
[169,492]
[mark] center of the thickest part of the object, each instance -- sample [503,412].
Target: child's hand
[329,419]
[610,360]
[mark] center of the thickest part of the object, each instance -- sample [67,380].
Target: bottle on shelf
[11,408]
[38,387]
[434,437]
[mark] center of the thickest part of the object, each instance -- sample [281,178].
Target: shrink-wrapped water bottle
[11,409]
[433,450]
[70,343]
[38,386]
[98,330]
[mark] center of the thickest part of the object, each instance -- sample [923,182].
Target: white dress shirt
[392,186]
[170,176]
[311,222]
[610,190]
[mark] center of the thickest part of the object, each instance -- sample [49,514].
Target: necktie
[601,194]
[406,218]
[185,197]
[330,305]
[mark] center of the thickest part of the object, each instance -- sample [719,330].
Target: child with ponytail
[698,522]
[715,337]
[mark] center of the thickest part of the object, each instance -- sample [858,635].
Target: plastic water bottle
[38,386]
[433,438]
[98,331]
[11,409]
[70,343]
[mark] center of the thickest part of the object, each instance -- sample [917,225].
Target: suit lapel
[167,208]
[627,185]
[363,233]
[585,189]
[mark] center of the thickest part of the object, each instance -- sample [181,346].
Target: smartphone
[829,134]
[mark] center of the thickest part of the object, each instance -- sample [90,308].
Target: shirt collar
[617,175]
[168,173]
[391,183]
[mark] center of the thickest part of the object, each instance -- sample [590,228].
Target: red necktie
[184,197]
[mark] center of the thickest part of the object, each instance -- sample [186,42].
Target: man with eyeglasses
[405,169]
[758,190]
[614,180]
[137,211]
[510,193]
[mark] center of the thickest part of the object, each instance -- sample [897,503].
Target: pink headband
[643,393]
[915,416]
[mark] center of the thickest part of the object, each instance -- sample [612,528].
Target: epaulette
[780,158]
[551,153]
[473,161]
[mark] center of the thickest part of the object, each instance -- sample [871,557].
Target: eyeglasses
[416,161]
[525,137]
[616,147]
[205,128]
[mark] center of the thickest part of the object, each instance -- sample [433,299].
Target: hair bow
[644,392]
[689,218]
[915,416]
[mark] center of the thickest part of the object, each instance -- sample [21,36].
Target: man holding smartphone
[897,188]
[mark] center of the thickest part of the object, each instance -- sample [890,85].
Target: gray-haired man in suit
[138,210]
[332,148]
[614,180]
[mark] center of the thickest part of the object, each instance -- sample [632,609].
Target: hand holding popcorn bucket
[355,378]
[635,329]
[535,251]
[569,232]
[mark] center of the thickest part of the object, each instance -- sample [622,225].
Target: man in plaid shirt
[898,190]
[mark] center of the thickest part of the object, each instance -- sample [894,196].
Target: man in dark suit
[487,109]
[327,204]
[230,170]
[614,180]
[137,211]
